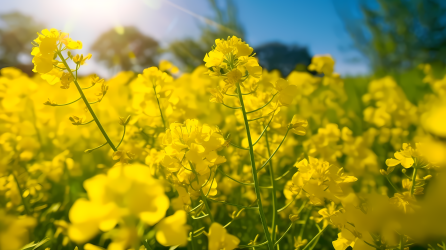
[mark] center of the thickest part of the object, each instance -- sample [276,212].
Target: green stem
[301,232]
[287,205]
[208,208]
[414,177]
[391,183]
[203,197]
[25,204]
[66,104]
[254,171]
[92,149]
[230,106]
[402,242]
[255,110]
[122,138]
[159,107]
[291,226]
[275,151]
[79,89]
[232,204]
[273,183]
[309,244]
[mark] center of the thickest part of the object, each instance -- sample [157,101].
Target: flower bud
[293,217]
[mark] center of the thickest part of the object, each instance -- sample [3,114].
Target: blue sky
[314,24]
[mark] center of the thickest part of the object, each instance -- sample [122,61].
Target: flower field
[228,156]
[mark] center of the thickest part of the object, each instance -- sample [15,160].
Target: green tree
[400,34]
[16,32]
[125,48]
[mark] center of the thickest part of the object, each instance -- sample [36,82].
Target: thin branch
[85,123]
[285,174]
[289,228]
[230,106]
[287,205]
[255,110]
[239,147]
[243,183]
[232,204]
[315,237]
[92,149]
[264,130]
[66,104]
[201,217]
[122,138]
[275,151]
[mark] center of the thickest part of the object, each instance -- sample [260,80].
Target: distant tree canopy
[190,52]
[399,34]
[283,57]
[16,33]
[126,49]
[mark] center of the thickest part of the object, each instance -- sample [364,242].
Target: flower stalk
[84,98]
[254,171]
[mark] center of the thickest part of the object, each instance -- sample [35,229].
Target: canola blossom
[228,156]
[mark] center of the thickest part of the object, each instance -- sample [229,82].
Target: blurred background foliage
[126,48]
[16,30]
[398,35]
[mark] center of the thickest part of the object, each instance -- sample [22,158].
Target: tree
[16,33]
[126,49]
[190,52]
[399,34]
[283,57]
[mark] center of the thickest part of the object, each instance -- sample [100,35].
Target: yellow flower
[220,239]
[251,65]
[127,191]
[233,45]
[81,59]
[322,64]
[172,230]
[43,63]
[287,91]
[155,76]
[213,59]
[217,96]
[44,54]
[405,201]
[53,77]
[14,231]
[403,157]
[65,80]
[298,242]
[298,126]
[233,77]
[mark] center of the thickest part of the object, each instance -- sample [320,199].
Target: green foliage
[125,49]
[16,32]
[398,35]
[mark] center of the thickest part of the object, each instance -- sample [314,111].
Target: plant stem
[414,177]
[79,89]
[25,204]
[159,107]
[273,193]
[205,201]
[254,171]
[391,183]
[402,242]
[309,244]
[203,197]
